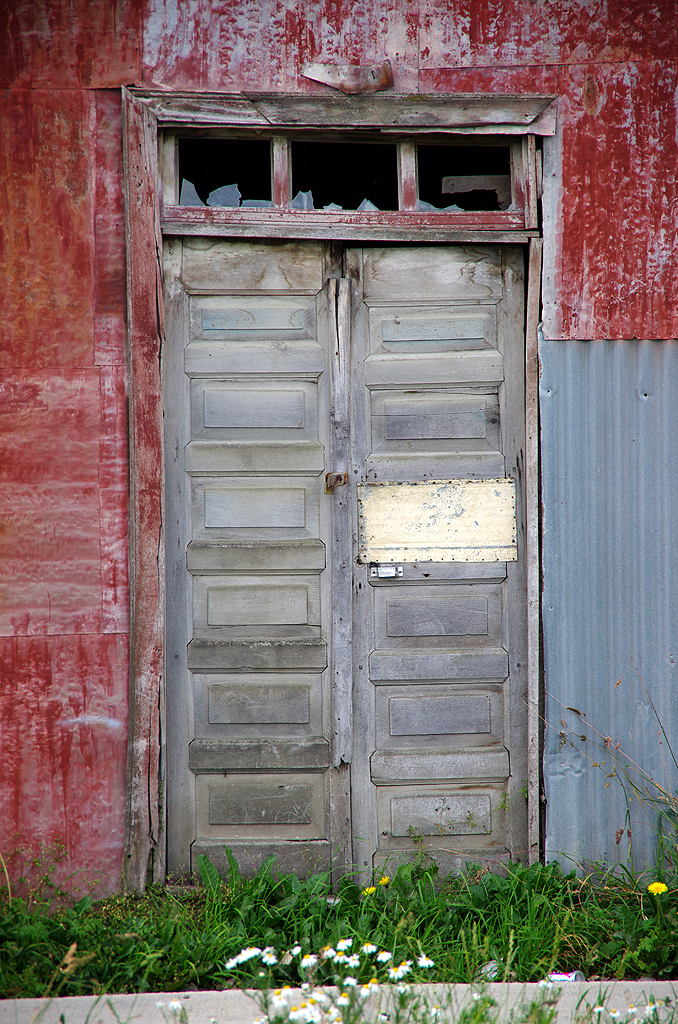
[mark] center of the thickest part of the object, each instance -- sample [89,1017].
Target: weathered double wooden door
[324,705]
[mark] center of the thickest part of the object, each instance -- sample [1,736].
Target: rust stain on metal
[350,79]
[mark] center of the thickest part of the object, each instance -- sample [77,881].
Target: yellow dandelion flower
[369,889]
[657,888]
[384,880]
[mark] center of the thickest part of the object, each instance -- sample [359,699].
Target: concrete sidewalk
[237,1007]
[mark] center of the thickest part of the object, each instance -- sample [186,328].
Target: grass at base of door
[524,925]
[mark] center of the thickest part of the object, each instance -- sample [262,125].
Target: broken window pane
[189,196]
[345,175]
[225,172]
[464,177]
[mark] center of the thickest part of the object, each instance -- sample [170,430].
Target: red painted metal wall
[611,272]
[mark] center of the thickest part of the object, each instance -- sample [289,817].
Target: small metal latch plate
[333,480]
[384,571]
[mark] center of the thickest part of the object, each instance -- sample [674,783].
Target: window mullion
[282,173]
[407,176]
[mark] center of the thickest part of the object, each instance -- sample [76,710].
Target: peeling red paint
[78,44]
[193,45]
[47,248]
[63,779]
[617,243]
[50,423]
[114,501]
[462,33]
[109,232]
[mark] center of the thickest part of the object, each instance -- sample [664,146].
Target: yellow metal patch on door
[437,521]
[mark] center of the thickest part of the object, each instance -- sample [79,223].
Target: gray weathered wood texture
[418,633]
[481,114]
[387,364]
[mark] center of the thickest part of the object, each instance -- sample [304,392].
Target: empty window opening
[225,172]
[464,177]
[344,176]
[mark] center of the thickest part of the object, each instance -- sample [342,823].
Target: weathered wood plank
[208,755]
[449,814]
[404,466]
[255,556]
[258,655]
[342,612]
[298,857]
[533,546]
[401,111]
[434,616]
[487,664]
[437,716]
[260,805]
[237,507]
[484,366]
[274,703]
[203,457]
[480,763]
[212,265]
[145,326]
[350,225]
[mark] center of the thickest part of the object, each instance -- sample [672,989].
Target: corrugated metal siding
[611,269]
[609,422]
[64,591]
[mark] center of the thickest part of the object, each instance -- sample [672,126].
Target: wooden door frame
[148,214]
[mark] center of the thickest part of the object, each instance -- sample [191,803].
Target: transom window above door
[348,174]
[405,168]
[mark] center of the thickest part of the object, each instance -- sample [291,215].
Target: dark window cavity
[225,172]
[464,177]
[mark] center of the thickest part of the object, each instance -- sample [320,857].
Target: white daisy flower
[351,982]
[353,961]
[295,950]
[308,961]
[368,947]
[384,956]
[174,1005]
[396,973]
[344,944]
[250,953]
[425,961]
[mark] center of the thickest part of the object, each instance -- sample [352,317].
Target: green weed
[523,925]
